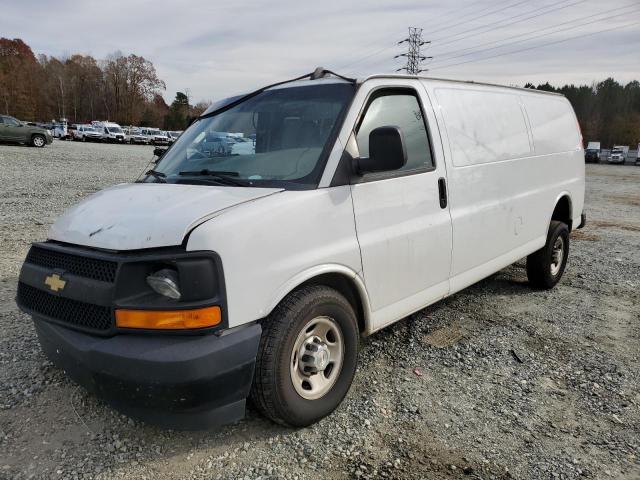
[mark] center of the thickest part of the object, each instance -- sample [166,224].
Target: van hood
[146,215]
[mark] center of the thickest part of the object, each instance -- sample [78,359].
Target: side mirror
[159,152]
[387,151]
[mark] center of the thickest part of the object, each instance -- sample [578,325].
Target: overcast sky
[216,49]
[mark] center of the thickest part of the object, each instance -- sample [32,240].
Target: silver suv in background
[85,133]
[155,136]
[134,135]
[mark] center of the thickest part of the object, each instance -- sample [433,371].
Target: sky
[216,49]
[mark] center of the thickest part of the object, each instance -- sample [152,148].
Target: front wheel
[546,266]
[38,141]
[307,357]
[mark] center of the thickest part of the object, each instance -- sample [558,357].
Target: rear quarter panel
[510,156]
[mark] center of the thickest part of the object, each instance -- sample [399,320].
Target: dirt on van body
[499,381]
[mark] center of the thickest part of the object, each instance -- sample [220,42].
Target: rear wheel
[38,141]
[546,266]
[307,357]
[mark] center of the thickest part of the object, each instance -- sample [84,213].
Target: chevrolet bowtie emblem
[54,282]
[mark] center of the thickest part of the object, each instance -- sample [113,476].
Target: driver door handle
[442,192]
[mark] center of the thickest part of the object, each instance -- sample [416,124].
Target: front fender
[309,274]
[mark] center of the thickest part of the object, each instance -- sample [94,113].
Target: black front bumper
[181,382]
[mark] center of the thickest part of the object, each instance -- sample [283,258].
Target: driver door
[403,225]
[11,129]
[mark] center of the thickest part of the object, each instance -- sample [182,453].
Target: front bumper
[180,382]
[184,379]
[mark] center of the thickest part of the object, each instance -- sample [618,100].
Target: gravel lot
[499,381]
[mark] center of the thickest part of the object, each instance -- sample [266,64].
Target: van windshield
[279,138]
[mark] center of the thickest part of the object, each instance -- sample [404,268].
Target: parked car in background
[86,133]
[592,153]
[13,130]
[172,136]
[134,135]
[59,130]
[618,154]
[155,136]
[111,132]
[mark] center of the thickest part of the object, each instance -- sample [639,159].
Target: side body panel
[510,156]
[4,134]
[11,132]
[273,245]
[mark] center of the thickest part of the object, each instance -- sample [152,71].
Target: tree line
[608,112]
[127,90]
[123,89]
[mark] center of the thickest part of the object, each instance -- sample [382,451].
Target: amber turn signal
[169,319]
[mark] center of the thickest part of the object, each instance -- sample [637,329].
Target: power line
[541,34]
[537,46]
[445,54]
[448,27]
[414,58]
[545,10]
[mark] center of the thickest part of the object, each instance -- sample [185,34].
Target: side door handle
[442,192]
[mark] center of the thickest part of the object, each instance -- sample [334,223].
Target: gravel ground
[498,381]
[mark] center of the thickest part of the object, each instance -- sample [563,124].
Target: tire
[84,138]
[38,141]
[546,266]
[298,318]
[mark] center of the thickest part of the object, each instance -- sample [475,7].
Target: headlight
[166,283]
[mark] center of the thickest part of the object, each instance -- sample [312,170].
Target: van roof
[467,82]
[333,79]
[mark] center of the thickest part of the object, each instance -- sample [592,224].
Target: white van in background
[351,204]
[618,154]
[111,132]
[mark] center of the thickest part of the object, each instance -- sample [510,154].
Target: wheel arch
[563,210]
[341,278]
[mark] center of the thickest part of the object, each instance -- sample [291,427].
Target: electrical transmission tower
[414,58]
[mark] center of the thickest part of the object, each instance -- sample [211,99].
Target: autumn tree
[129,83]
[18,78]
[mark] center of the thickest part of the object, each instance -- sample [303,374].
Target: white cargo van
[618,154]
[111,132]
[224,274]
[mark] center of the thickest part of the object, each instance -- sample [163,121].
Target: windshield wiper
[226,178]
[161,177]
